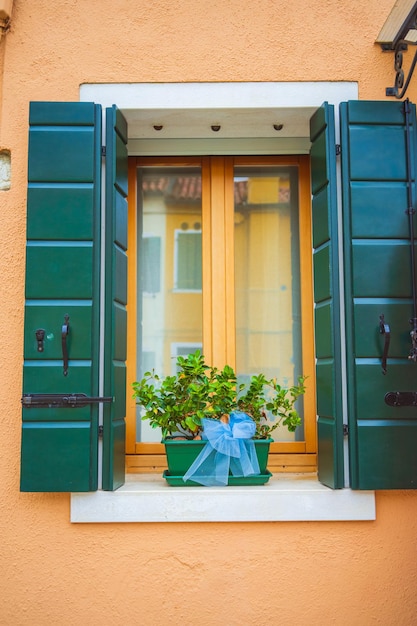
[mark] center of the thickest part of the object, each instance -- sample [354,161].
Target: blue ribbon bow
[229,447]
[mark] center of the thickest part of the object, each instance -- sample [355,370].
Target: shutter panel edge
[327,298]
[114,428]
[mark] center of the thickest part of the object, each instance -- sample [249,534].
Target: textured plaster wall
[53,572]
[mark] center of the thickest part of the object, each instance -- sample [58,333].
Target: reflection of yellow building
[171,317]
[266,282]
[183,313]
[265,245]
[264,249]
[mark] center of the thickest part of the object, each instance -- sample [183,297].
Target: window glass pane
[267,277]
[169,271]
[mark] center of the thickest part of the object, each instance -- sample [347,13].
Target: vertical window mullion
[229,262]
[218,262]
[207,255]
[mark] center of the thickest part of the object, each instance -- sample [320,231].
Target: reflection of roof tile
[188,189]
[154,185]
[179,189]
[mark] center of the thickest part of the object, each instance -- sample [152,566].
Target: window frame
[294,456]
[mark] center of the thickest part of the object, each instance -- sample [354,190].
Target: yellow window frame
[218,328]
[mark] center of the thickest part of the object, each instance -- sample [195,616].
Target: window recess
[235,278]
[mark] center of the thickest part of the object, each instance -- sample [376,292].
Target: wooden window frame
[219,346]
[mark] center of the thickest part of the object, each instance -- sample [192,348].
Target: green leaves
[266,396]
[177,404]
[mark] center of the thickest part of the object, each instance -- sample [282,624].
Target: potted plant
[202,406]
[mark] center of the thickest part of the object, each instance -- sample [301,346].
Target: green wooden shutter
[59,445]
[115,335]
[327,298]
[65,277]
[382,439]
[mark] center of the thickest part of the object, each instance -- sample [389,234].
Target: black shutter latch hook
[64,335]
[413,334]
[384,329]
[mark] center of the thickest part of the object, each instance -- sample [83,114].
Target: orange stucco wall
[53,572]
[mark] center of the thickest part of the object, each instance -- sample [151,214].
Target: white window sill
[286,498]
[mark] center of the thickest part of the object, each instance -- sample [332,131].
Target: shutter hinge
[103,151]
[338,149]
[100,430]
[345,430]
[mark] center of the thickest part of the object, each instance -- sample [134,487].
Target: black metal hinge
[100,430]
[345,430]
[103,151]
[338,149]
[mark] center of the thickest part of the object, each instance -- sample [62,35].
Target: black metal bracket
[401,398]
[60,400]
[398,46]
[401,83]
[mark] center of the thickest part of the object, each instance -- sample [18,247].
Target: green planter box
[237,481]
[181,454]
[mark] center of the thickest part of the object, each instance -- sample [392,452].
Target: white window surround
[246,113]
[286,498]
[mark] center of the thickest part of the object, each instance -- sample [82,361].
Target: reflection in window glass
[267,275]
[188,258]
[169,271]
[151,264]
